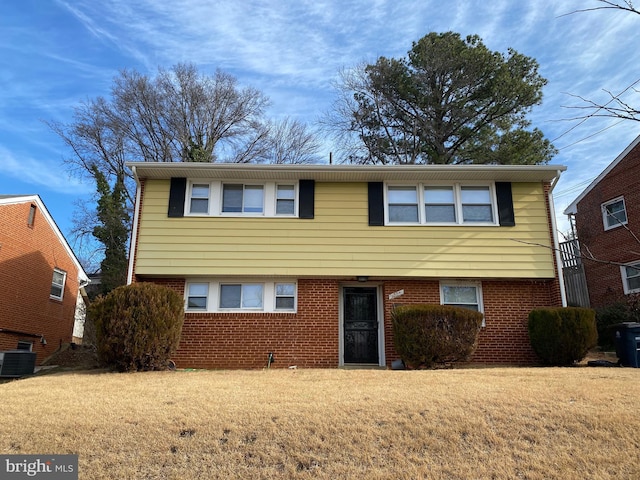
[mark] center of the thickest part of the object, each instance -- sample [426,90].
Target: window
[32,215]
[631,278]
[614,213]
[197,296]
[238,198]
[476,204]
[403,204]
[439,205]
[249,294]
[199,198]
[285,200]
[241,296]
[57,284]
[442,204]
[465,295]
[285,296]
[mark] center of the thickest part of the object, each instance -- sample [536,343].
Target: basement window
[462,294]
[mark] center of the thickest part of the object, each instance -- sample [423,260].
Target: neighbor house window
[32,215]
[197,296]
[403,204]
[631,278]
[239,198]
[285,200]
[199,198]
[464,295]
[614,213]
[285,296]
[241,296]
[454,204]
[57,284]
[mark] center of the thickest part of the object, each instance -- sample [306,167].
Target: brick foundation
[309,338]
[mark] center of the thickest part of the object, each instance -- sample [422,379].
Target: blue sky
[56,53]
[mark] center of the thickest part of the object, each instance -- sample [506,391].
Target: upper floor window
[403,204]
[441,204]
[239,198]
[57,284]
[285,200]
[266,199]
[631,278]
[199,202]
[614,213]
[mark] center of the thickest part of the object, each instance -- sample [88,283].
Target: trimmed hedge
[562,336]
[138,326]
[425,335]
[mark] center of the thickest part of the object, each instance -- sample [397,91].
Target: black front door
[360,324]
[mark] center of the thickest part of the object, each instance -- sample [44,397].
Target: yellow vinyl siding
[339,241]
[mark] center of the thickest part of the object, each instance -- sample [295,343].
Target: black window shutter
[306,207]
[177,193]
[376,204]
[505,204]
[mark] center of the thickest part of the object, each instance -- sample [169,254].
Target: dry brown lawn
[494,423]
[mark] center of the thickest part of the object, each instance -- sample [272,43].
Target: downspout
[556,244]
[134,228]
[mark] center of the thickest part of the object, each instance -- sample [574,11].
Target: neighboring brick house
[607,220]
[40,278]
[307,261]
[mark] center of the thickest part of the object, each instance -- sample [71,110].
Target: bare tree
[617,106]
[625,5]
[290,141]
[180,115]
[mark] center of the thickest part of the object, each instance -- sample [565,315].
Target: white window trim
[623,274]
[603,208]
[213,295]
[216,192]
[457,197]
[64,281]
[463,283]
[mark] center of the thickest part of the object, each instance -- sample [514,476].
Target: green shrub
[605,318]
[425,335]
[562,336]
[138,326]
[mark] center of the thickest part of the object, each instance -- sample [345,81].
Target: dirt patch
[81,357]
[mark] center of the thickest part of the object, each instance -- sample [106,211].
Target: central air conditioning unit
[17,363]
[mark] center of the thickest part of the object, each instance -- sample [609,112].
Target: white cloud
[39,173]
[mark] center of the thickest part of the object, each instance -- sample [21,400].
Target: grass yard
[494,423]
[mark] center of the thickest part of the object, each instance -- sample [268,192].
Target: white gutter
[134,227]
[556,244]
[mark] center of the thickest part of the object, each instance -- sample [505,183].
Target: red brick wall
[310,337]
[618,244]
[504,338]
[28,256]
